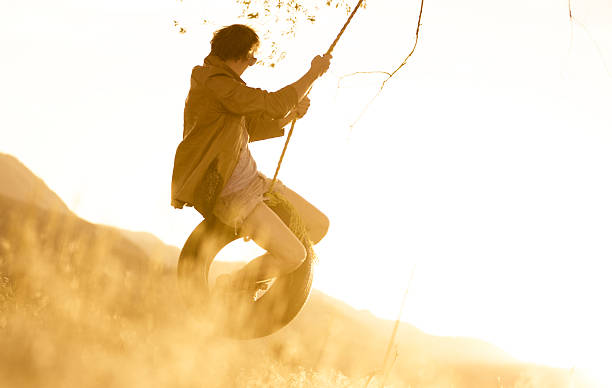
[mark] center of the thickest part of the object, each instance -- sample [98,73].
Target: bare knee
[319,230]
[291,258]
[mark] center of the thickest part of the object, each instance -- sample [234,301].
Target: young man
[213,168]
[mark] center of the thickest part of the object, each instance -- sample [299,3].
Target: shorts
[234,208]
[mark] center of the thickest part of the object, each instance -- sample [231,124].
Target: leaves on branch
[181,30]
[276,21]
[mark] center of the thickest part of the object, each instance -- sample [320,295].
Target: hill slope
[156,249]
[19,183]
[23,226]
[82,303]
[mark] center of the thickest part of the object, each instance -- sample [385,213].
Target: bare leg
[285,251]
[261,268]
[316,222]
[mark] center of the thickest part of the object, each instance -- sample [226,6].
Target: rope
[331,48]
[329,51]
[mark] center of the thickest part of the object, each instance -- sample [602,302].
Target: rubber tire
[239,317]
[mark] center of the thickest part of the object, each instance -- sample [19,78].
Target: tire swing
[243,315]
[240,315]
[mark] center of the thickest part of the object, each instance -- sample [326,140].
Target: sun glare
[483,166]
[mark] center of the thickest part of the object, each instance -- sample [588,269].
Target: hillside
[18,182]
[23,226]
[81,304]
[156,249]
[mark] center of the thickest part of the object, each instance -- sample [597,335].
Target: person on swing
[213,168]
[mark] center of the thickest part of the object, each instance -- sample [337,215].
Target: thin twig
[388,74]
[329,51]
[601,56]
[573,21]
[370,378]
[571,18]
[363,72]
[389,367]
[416,40]
[386,363]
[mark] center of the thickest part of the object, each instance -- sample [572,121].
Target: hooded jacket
[218,104]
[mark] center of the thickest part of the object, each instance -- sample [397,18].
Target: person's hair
[233,42]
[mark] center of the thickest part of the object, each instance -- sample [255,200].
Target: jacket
[218,104]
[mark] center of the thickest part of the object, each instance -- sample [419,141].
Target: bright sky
[485,162]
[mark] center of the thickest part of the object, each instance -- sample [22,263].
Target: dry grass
[82,306]
[76,310]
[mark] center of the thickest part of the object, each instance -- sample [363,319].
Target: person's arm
[318,67]
[290,117]
[297,113]
[261,127]
[240,99]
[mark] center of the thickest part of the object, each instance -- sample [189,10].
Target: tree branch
[573,21]
[388,74]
